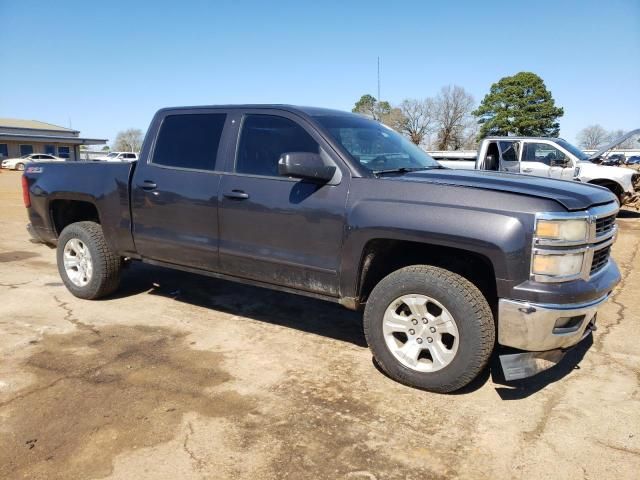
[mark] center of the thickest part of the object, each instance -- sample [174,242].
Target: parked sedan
[20,162]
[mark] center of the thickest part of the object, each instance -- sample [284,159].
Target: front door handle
[237,195]
[148,185]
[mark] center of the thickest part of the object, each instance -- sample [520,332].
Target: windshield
[373,145]
[573,150]
[112,155]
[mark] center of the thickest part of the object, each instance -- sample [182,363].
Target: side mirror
[308,166]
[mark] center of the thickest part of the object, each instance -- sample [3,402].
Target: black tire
[20,166]
[464,302]
[106,264]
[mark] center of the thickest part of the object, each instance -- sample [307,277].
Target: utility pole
[378,78]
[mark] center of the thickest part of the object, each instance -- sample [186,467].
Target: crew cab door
[174,190]
[276,229]
[542,158]
[509,151]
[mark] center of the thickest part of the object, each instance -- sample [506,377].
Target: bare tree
[394,118]
[631,142]
[129,140]
[470,136]
[592,137]
[453,107]
[417,119]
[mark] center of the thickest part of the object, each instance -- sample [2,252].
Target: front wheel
[20,166]
[429,328]
[87,266]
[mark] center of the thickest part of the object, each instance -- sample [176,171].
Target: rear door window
[509,153]
[189,141]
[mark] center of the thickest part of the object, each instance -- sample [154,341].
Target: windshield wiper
[405,169]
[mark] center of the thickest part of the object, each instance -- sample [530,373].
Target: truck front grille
[605,225]
[600,259]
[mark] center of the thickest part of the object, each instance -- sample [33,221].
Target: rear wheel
[429,328]
[87,266]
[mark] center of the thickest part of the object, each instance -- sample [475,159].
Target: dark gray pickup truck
[445,263]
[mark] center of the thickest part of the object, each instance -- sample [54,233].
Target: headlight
[562,265]
[564,230]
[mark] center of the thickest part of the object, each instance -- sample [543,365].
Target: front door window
[543,153]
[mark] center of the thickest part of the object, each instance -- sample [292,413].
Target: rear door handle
[148,185]
[237,195]
[527,170]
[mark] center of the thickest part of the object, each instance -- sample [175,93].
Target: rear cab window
[189,141]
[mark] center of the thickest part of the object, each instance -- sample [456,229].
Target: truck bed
[104,184]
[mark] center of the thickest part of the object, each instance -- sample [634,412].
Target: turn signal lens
[566,230]
[558,265]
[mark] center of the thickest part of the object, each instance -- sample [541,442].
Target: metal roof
[32,125]
[18,137]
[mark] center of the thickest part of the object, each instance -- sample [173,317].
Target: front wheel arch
[612,185]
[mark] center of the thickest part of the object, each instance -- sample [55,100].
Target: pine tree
[519,105]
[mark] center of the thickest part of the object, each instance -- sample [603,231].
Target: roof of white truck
[522,138]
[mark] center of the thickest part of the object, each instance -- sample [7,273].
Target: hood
[607,171]
[570,194]
[614,143]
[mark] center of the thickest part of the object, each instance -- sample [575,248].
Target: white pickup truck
[546,157]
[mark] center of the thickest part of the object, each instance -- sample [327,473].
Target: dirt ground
[180,376]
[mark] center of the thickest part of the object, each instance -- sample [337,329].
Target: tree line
[444,122]
[516,105]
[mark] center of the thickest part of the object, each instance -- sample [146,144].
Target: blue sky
[109,65]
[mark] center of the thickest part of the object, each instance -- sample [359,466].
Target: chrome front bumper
[541,327]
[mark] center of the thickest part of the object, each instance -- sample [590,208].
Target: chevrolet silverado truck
[446,264]
[547,157]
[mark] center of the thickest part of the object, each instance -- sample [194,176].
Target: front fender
[596,173]
[500,237]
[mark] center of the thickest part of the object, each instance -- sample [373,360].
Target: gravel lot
[180,376]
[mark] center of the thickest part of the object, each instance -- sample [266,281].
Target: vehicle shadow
[626,213]
[312,316]
[293,311]
[519,389]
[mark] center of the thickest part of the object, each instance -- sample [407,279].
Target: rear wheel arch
[64,212]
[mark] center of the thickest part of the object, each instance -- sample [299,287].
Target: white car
[20,162]
[118,157]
